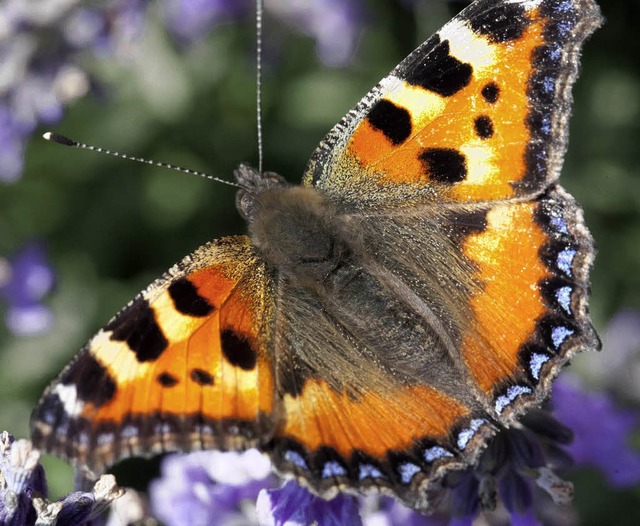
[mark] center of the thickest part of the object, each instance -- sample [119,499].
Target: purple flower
[515,475]
[293,505]
[209,487]
[601,432]
[23,491]
[29,74]
[21,479]
[25,279]
[385,511]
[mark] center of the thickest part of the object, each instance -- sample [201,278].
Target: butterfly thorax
[294,228]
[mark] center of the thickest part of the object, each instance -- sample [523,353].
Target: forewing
[183,367]
[478,112]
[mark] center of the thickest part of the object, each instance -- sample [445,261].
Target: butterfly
[418,292]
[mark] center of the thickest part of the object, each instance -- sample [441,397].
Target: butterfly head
[292,227]
[252,183]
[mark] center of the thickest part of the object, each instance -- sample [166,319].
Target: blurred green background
[113,226]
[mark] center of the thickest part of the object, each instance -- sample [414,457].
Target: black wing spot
[167,380]
[238,351]
[444,165]
[92,380]
[187,300]
[201,377]
[439,71]
[484,127]
[137,326]
[491,92]
[501,23]
[393,121]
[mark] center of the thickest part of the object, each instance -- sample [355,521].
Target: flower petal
[602,431]
[292,505]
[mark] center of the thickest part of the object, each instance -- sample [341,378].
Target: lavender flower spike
[210,487]
[602,432]
[292,505]
[23,491]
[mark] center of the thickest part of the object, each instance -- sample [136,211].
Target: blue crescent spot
[565,260]
[129,431]
[49,417]
[512,393]
[545,126]
[104,439]
[467,434]
[554,52]
[333,469]
[536,363]
[563,7]
[559,224]
[369,471]
[549,84]
[563,295]
[560,334]
[436,452]
[408,471]
[565,27]
[295,458]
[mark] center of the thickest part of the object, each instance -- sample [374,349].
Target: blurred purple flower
[11,147]
[602,432]
[25,279]
[335,25]
[40,47]
[190,19]
[86,28]
[23,491]
[515,475]
[389,512]
[209,487]
[28,77]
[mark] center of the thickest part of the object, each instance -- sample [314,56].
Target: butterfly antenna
[65,141]
[259,11]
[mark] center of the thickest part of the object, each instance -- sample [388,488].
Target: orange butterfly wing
[183,366]
[478,112]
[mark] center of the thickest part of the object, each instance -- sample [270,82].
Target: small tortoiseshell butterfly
[380,322]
